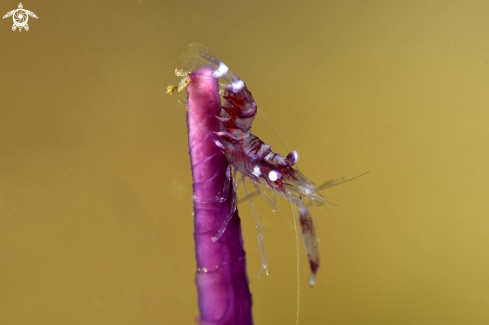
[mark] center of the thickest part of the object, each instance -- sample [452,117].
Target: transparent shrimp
[245,151]
[253,158]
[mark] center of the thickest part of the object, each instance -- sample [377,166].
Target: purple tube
[222,282]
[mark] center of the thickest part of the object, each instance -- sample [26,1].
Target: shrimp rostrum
[254,159]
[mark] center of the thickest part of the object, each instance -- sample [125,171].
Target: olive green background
[95,184]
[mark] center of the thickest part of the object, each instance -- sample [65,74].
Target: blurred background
[95,183]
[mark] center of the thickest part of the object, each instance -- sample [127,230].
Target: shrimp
[254,159]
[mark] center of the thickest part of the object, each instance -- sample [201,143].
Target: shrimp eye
[293,157]
[272,175]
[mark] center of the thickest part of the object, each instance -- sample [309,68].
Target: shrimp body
[251,156]
[255,159]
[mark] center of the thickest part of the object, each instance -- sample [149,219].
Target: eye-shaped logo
[20,17]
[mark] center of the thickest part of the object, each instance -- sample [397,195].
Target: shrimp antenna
[298,271]
[332,183]
[335,182]
[331,213]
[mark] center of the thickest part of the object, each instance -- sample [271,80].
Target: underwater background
[96,221]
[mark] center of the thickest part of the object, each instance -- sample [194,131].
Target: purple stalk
[222,282]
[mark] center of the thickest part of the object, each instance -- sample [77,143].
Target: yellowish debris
[181,73]
[183,83]
[170,89]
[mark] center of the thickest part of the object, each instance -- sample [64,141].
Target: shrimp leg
[310,242]
[225,190]
[262,192]
[259,228]
[234,204]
